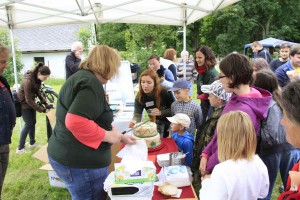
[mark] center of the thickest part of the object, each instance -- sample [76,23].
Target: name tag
[150,103]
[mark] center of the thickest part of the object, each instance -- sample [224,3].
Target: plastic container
[177,158]
[163,160]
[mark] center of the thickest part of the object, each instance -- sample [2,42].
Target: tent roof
[29,13]
[271,42]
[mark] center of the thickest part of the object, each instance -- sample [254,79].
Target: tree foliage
[9,71]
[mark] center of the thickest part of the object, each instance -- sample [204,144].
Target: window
[39,59]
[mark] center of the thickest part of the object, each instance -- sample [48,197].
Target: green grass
[23,178]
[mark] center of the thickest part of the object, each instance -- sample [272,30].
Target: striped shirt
[190,108]
[191,73]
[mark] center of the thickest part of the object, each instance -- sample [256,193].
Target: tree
[112,35]
[9,72]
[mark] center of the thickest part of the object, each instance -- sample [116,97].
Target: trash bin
[135,72]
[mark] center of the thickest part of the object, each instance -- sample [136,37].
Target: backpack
[271,132]
[17,103]
[288,194]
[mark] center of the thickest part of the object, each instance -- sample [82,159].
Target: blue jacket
[185,144]
[7,115]
[281,75]
[264,53]
[165,72]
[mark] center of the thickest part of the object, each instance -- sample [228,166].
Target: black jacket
[7,117]
[72,64]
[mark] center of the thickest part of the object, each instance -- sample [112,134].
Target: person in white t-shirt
[241,174]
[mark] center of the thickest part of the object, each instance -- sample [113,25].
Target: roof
[51,38]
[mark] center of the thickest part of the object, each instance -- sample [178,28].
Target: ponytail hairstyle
[42,69]
[267,80]
[157,86]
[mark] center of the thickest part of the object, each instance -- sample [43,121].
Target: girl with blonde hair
[241,174]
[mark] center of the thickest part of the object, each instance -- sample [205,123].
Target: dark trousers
[49,128]
[29,117]
[4,157]
[205,107]
[283,162]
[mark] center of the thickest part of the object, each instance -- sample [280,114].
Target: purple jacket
[255,107]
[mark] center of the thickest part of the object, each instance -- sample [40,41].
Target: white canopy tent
[31,13]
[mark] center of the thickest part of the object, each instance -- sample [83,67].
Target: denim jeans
[83,184]
[283,161]
[29,117]
[4,157]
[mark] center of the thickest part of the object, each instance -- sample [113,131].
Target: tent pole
[184,41]
[10,26]
[184,50]
[14,57]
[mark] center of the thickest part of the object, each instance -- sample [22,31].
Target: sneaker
[21,151]
[281,189]
[35,145]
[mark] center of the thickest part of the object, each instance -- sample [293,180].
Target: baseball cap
[216,89]
[180,84]
[181,119]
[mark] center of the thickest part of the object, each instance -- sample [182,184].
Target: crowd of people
[237,137]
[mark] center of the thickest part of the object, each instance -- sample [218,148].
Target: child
[186,105]
[184,140]
[217,98]
[235,76]
[274,150]
[241,174]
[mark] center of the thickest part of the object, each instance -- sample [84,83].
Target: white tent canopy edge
[32,13]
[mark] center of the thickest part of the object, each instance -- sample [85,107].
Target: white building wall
[56,62]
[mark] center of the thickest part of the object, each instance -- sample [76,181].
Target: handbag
[17,103]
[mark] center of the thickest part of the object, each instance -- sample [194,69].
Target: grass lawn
[25,181]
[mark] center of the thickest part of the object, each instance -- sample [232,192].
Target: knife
[135,127]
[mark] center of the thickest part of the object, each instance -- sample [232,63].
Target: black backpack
[17,103]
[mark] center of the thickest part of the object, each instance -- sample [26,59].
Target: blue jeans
[83,184]
[283,161]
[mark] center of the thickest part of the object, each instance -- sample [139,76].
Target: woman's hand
[113,136]
[155,112]
[202,166]
[132,123]
[128,139]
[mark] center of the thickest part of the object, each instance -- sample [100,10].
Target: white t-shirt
[236,180]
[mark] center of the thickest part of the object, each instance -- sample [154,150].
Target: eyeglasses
[221,77]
